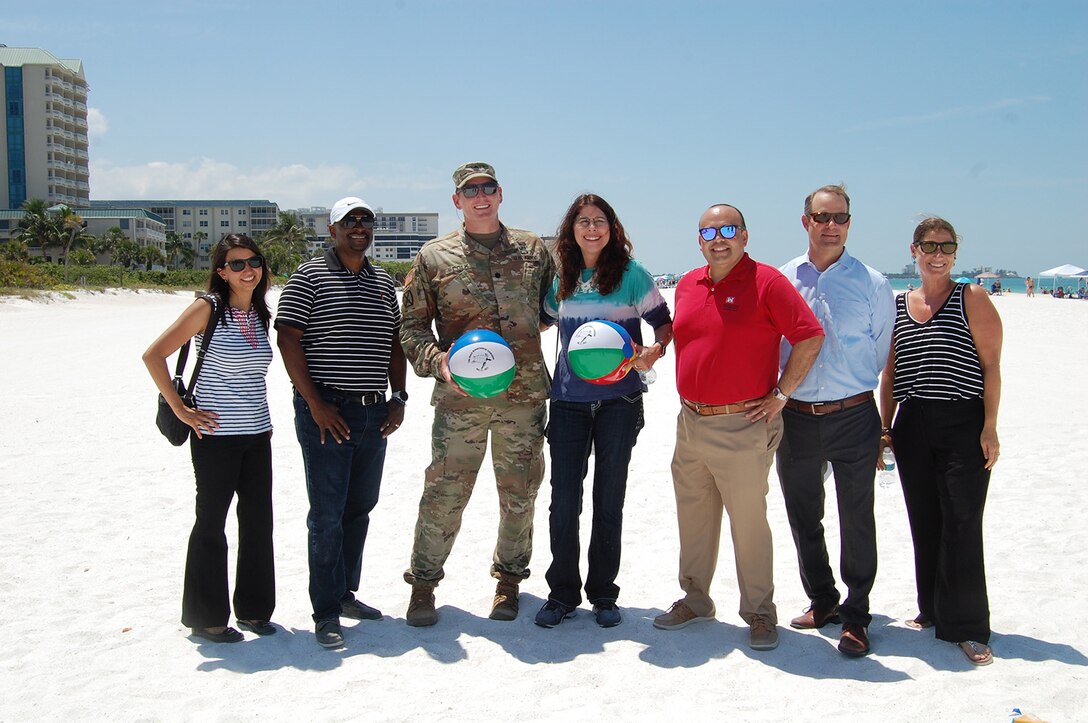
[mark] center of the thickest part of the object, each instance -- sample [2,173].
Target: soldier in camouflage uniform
[482,276]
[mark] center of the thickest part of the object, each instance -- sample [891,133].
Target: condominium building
[211,219]
[43,141]
[397,236]
[143,227]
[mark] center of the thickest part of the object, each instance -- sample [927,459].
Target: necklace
[247,324]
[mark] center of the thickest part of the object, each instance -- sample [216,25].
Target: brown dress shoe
[854,641]
[816,617]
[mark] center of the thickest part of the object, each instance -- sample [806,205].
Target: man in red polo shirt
[729,321]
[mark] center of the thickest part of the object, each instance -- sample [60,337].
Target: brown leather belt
[821,408]
[709,410]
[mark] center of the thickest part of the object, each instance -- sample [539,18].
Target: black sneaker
[553,613]
[359,610]
[608,615]
[329,634]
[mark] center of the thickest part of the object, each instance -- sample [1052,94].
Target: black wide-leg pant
[942,468]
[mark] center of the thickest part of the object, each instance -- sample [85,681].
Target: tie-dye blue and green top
[637,298]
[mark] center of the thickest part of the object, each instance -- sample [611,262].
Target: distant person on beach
[597,279]
[832,419]
[484,275]
[1029,285]
[730,317]
[230,443]
[338,331]
[944,375]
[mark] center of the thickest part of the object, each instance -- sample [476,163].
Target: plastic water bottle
[648,377]
[887,476]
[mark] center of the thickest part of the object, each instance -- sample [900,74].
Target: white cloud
[290,186]
[97,125]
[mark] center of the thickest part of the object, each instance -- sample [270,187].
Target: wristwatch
[401,397]
[779,395]
[664,346]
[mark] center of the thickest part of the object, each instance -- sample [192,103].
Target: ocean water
[1015,285]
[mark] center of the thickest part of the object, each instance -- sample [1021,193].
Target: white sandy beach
[97,508]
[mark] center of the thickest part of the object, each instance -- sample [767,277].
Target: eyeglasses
[584,223]
[947,247]
[708,234]
[239,264]
[471,190]
[839,218]
[361,221]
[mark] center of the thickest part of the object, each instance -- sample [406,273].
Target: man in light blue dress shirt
[832,419]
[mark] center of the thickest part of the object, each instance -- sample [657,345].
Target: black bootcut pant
[225,466]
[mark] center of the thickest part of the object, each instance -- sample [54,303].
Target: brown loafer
[854,642]
[816,617]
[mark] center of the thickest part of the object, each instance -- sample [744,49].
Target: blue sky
[975,111]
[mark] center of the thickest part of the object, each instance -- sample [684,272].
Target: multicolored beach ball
[601,352]
[482,363]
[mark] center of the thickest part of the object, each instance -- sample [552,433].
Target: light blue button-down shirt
[856,307]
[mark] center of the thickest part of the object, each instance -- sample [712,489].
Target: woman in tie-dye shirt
[597,279]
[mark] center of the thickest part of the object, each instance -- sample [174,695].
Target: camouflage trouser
[458,443]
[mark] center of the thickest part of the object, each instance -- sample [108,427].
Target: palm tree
[284,245]
[14,250]
[109,243]
[73,225]
[175,247]
[149,255]
[125,253]
[38,228]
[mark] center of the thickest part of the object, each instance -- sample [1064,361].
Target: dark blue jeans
[609,429]
[342,483]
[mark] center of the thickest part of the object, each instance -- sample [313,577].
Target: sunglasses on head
[353,221]
[947,247]
[471,190]
[839,218]
[708,234]
[239,264]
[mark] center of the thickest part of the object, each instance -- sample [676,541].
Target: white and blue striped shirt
[232,380]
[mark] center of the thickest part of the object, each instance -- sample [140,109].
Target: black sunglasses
[839,218]
[708,234]
[353,221]
[947,247]
[470,191]
[239,264]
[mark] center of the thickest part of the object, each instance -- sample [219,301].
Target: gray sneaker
[329,634]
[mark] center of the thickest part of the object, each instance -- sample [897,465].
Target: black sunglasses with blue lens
[239,264]
[471,190]
[709,234]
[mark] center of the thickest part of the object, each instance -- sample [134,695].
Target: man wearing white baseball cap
[338,327]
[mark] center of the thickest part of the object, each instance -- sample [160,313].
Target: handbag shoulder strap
[205,340]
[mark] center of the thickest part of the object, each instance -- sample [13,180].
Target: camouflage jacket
[460,286]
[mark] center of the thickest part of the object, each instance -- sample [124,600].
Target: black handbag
[175,430]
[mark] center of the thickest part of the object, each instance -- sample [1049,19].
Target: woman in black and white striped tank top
[230,443]
[944,377]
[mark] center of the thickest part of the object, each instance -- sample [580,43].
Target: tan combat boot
[505,606]
[421,612]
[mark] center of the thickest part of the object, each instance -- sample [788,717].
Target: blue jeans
[609,429]
[342,483]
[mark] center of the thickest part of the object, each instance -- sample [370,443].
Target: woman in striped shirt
[944,374]
[230,443]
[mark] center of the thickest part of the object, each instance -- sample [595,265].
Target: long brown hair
[614,256]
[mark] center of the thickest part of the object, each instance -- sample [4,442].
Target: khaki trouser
[458,443]
[723,460]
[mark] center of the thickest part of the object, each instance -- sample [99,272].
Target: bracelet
[885,431]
